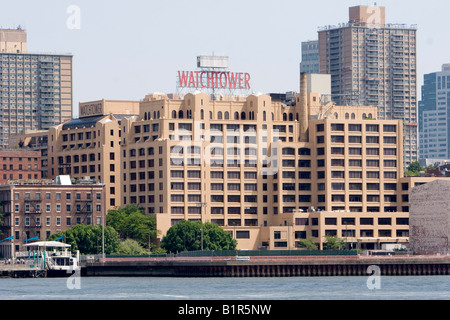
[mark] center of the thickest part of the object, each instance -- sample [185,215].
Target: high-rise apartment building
[434,115]
[373,63]
[35,89]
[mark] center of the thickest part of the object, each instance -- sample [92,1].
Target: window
[390,140]
[373,139]
[337,127]
[242,234]
[354,127]
[389,128]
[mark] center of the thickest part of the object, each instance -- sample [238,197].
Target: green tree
[159,251]
[308,244]
[414,169]
[88,239]
[334,243]
[186,236]
[130,222]
[131,247]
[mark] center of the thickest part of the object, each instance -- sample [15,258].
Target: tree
[414,169]
[333,243]
[131,247]
[308,244]
[186,236]
[88,239]
[130,222]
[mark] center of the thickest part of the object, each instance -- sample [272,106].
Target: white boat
[55,257]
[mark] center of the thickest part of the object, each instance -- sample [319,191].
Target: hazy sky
[126,49]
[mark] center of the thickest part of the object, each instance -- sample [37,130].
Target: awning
[54,244]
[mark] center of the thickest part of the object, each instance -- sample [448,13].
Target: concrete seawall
[267,266]
[21,271]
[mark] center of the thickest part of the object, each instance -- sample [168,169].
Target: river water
[295,288]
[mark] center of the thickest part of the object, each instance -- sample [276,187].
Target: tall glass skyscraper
[434,115]
[310,57]
[35,88]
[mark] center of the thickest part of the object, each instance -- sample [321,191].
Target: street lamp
[201,205]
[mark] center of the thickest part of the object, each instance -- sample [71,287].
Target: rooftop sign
[213,80]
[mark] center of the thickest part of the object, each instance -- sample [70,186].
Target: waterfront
[294,288]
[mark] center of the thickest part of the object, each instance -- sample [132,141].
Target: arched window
[180,114]
[242,115]
[353,116]
[264,116]
[210,115]
[347,116]
[364,116]
[159,115]
[236,116]
[145,115]
[227,115]
[154,114]
[202,114]
[284,116]
[219,115]
[370,116]
[296,116]
[336,116]
[174,114]
[291,117]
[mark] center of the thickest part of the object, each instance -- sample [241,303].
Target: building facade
[310,57]
[35,89]
[39,209]
[373,63]
[434,108]
[19,165]
[268,173]
[430,218]
[35,140]
[90,145]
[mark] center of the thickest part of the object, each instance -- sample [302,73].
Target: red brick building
[19,165]
[39,210]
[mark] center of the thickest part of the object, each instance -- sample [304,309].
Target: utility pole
[201,205]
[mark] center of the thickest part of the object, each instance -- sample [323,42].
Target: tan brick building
[90,146]
[269,174]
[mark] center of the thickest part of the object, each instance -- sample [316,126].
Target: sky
[124,50]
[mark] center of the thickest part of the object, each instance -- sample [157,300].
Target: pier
[21,271]
[260,266]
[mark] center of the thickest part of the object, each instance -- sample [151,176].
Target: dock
[271,266]
[21,271]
